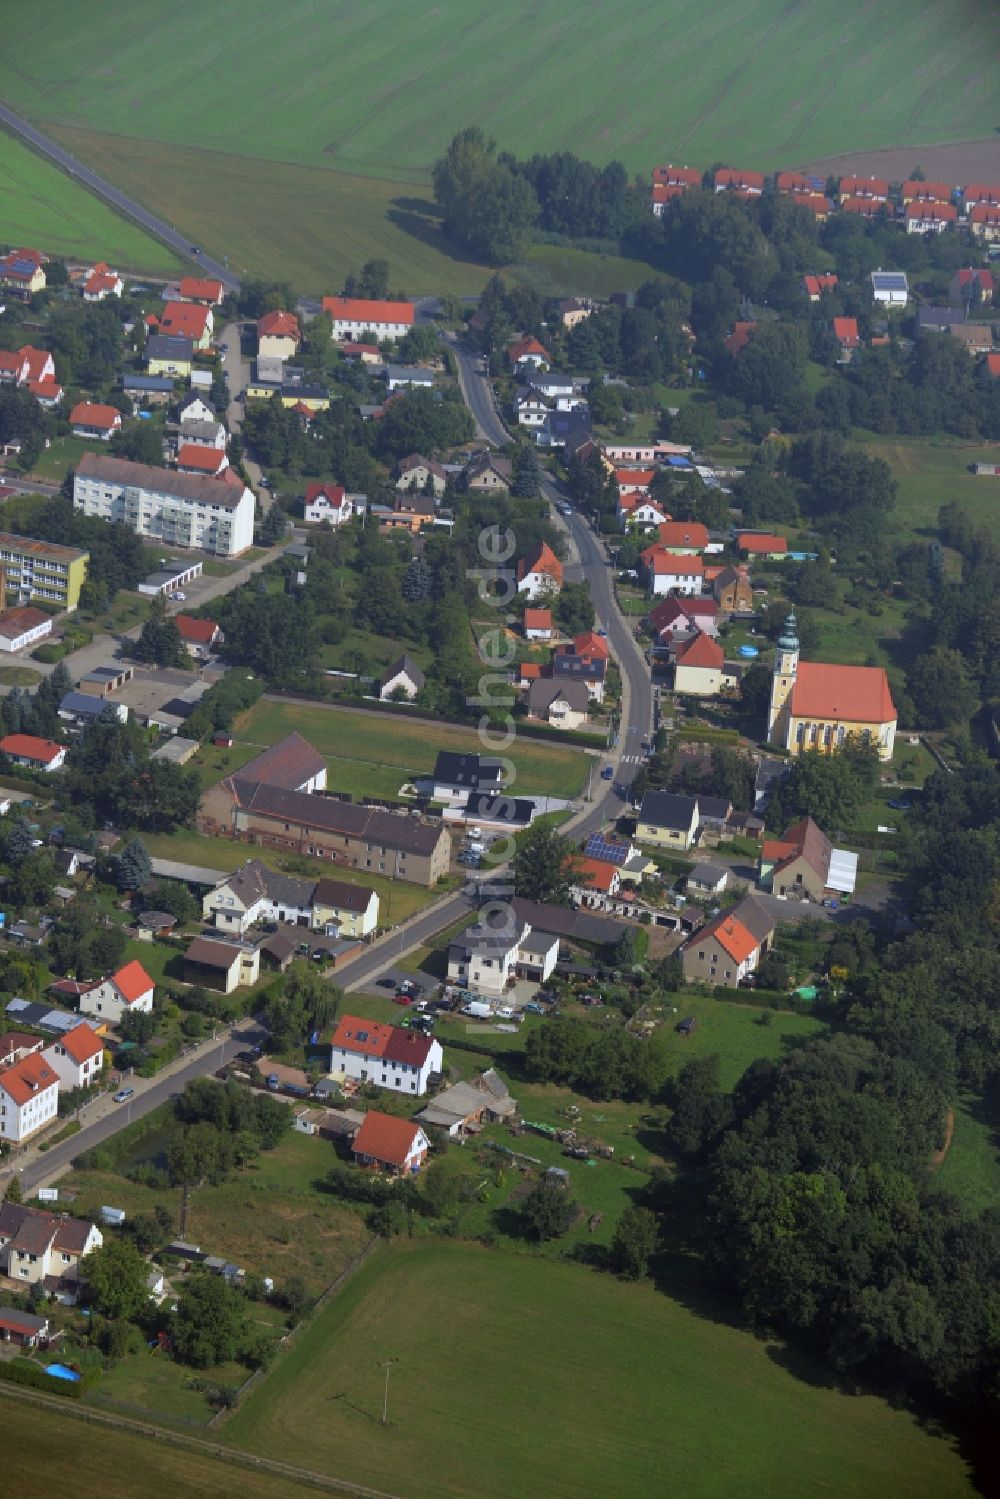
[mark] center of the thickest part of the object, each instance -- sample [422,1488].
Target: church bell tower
[786,665]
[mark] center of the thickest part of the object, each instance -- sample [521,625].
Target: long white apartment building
[180,510]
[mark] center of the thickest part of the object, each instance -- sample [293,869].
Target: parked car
[386,983]
[124,1094]
[421,1006]
[608,773]
[535,1009]
[404,999]
[686,1026]
[178,597]
[320,955]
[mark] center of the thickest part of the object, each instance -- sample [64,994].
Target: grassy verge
[633,1381]
[971,1169]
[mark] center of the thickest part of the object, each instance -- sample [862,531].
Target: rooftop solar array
[602,848]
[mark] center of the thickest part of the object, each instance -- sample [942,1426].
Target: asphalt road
[154,225]
[108,1117]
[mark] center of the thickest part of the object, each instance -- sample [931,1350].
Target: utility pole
[386,1364]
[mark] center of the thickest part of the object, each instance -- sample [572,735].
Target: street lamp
[386,1364]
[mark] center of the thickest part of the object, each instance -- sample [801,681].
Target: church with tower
[816,704]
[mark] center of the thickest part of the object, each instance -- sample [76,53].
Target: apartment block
[42,570]
[179,510]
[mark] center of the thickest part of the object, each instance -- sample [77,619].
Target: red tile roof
[701,650]
[858,694]
[672,176]
[816,203]
[542,560]
[81,1043]
[749,541]
[732,936]
[132,981]
[386,1138]
[102,280]
[279,325]
[197,631]
[596,874]
[739,338]
[845,331]
[538,619]
[931,213]
[928,192]
[985,213]
[184,320]
[972,277]
[370,313]
[17,622]
[334,493]
[661,562]
[816,285]
[868,208]
[589,643]
[634,478]
[194,289]
[369,1037]
[982,192]
[793,182]
[993,365]
[30,747]
[664,192]
[531,671]
[521,347]
[732,177]
[205,460]
[93,414]
[683,533]
[27,1078]
[863,187]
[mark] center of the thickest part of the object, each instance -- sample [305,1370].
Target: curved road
[113,195]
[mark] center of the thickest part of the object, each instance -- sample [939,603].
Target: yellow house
[22,273]
[42,570]
[354,908]
[819,705]
[167,355]
[312,397]
[666,820]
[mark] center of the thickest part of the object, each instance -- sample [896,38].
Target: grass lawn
[114,1458]
[269,1217]
[930,471]
[19,676]
[971,1169]
[222,853]
[335,96]
[734,1033]
[164,1389]
[65,452]
[371,754]
[643,1395]
[42,206]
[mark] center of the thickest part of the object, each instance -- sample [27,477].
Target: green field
[40,205]
[380,89]
[930,471]
[355,105]
[971,1169]
[46,1446]
[520,1376]
[371,754]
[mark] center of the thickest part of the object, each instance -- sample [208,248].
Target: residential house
[572,311]
[493,813]
[732,180]
[667,820]
[890,288]
[210,434]
[640,513]
[22,274]
[540,573]
[706,879]
[588,667]
[815,203]
[166,355]
[201,289]
[595,883]
[538,624]
[223,966]
[182,510]
[685,537]
[407,377]
[972,287]
[417,472]
[730,946]
[865,208]
[819,705]
[29,1097]
[278,335]
[563,704]
[564,390]
[732,590]
[76,1057]
[403,678]
[975,193]
[530,409]
[385,1055]
[384,1143]
[363,353]
[255,893]
[490,958]
[148,390]
[984,221]
[34,370]
[845,331]
[803,865]
[791,183]
[527,351]
[457,776]
[329,503]
[486,473]
[698,667]
[815,286]
[200,636]
[353,317]
[677,618]
[464,1107]
[14,1045]
[762,544]
[872,189]
[190,320]
[195,409]
[129,991]
[680,177]
[23,1329]
[991,366]
[411,511]
[914,191]
[29,750]
[672,572]
[352,909]
[100,282]
[24,627]
[663,193]
[44,1248]
[930,218]
[193,458]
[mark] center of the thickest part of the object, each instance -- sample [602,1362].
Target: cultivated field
[41,205]
[373,754]
[374,94]
[521,1376]
[930,471]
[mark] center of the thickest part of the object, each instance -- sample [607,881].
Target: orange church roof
[858,694]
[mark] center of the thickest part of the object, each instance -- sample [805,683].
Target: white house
[530,409]
[102,282]
[385,1143]
[489,959]
[37,1246]
[76,1057]
[890,288]
[179,510]
[354,316]
[672,572]
[255,893]
[29,1097]
[95,420]
[20,628]
[195,408]
[407,377]
[37,754]
[698,666]
[540,574]
[278,335]
[384,1055]
[128,991]
[403,676]
[328,502]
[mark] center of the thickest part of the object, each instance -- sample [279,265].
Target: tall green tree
[544,866]
[135,867]
[116,1279]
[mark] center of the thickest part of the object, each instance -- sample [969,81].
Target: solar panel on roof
[891,280]
[601,848]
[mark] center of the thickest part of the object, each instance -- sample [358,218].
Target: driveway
[236,364]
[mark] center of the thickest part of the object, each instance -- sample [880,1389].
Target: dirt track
[957,163]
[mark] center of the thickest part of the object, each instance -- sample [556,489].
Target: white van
[477,1009]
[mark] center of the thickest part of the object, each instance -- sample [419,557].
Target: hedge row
[24,1372]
